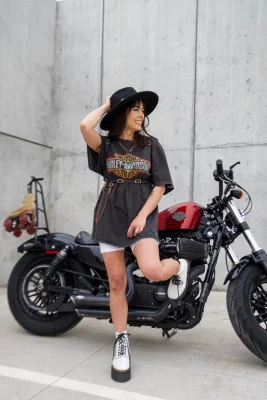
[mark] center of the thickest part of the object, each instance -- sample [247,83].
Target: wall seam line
[53,114]
[230,146]
[101,73]
[25,140]
[191,193]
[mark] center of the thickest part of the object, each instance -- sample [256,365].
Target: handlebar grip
[219,165]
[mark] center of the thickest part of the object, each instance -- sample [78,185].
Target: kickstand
[169,335]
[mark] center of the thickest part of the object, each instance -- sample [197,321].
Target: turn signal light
[237,193]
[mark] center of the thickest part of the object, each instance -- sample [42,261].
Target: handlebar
[221,175]
[219,165]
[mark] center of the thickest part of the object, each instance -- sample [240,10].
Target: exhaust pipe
[133,315]
[84,301]
[195,272]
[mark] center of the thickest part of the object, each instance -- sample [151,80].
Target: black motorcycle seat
[85,239]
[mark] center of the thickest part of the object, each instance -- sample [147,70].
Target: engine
[184,231]
[184,248]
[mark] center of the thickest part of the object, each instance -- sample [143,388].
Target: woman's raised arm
[88,124]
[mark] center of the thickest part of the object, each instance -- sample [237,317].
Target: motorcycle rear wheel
[247,309]
[29,314]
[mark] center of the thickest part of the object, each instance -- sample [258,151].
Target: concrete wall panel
[231,97]
[177,161]
[77,70]
[27,39]
[74,194]
[27,31]
[77,92]
[19,161]
[251,174]
[150,45]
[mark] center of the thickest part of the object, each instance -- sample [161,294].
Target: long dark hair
[141,138]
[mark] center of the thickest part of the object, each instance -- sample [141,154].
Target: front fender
[235,271]
[48,241]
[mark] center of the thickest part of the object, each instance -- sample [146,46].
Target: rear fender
[49,242]
[52,243]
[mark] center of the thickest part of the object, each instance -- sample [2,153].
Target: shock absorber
[60,257]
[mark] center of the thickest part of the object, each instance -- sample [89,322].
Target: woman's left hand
[136,226]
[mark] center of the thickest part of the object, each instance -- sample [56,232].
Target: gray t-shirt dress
[129,179]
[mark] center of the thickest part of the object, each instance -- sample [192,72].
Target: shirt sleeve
[160,173]
[96,161]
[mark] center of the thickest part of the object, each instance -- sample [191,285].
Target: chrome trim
[251,241]
[239,219]
[234,210]
[231,254]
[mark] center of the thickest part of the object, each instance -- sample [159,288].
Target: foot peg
[169,335]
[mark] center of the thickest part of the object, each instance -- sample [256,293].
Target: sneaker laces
[122,345]
[176,280]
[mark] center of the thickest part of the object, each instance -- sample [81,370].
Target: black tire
[54,324]
[243,314]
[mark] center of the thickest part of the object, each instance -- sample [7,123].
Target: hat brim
[150,99]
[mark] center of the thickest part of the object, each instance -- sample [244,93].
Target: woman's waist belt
[125,181]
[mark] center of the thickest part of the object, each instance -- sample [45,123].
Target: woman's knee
[153,272]
[117,283]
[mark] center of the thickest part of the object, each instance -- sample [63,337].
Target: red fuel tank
[180,216]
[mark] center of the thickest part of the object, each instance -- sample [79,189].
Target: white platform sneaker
[121,363]
[178,284]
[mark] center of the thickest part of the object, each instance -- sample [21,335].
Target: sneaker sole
[120,376]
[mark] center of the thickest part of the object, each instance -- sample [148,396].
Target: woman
[136,174]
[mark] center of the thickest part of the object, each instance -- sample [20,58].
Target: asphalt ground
[207,362]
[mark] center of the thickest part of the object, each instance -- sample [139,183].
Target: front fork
[259,256]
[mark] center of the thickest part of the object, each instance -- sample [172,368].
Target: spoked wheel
[247,309]
[28,296]
[34,292]
[258,300]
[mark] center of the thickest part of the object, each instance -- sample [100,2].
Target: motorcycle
[61,278]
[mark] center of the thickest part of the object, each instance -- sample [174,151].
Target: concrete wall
[95,55]
[205,59]
[27,30]
[231,105]
[157,53]
[77,91]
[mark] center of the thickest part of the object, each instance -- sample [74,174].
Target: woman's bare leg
[115,265]
[116,270]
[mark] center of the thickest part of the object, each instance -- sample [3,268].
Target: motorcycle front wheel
[247,309]
[27,298]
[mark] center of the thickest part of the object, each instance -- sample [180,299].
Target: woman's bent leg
[147,253]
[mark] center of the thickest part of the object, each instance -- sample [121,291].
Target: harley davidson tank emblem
[179,216]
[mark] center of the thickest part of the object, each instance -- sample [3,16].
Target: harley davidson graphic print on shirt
[127,166]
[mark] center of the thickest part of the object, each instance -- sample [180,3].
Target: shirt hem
[148,236]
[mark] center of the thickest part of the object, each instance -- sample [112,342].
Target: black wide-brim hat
[120,99]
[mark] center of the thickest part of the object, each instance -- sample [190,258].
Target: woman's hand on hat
[107,104]
[136,226]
